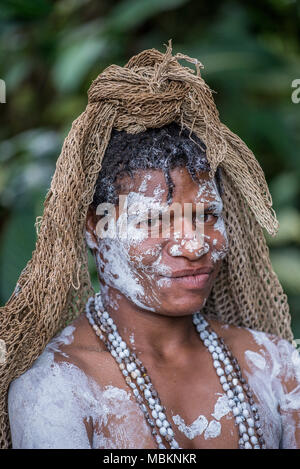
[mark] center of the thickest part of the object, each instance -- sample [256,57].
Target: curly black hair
[163,148]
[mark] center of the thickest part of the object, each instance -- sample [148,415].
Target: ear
[90,229]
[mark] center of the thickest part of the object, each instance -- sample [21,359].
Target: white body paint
[176,250]
[221,407]
[48,404]
[211,429]
[193,430]
[271,369]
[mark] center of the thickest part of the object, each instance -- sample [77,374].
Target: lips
[193,279]
[190,272]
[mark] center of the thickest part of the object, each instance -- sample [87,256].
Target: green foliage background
[51,51]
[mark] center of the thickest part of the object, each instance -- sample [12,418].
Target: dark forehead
[150,182]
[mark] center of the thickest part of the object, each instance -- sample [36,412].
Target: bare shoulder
[87,353]
[262,348]
[271,366]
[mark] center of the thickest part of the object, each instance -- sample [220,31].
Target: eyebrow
[212,207]
[147,211]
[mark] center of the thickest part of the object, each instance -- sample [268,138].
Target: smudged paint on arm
[289,407]
[274,377]
[56,405]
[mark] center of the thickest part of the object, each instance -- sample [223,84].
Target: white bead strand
[117,348]
[236,398]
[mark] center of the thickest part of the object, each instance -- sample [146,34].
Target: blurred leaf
[17,73]
[130,13]
[28,164]
[289,227]
[74,61]
[284,189]
[25,9]
[17,245]
[286,264]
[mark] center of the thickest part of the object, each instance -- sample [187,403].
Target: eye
[155,221]
[150,222]
[209,218]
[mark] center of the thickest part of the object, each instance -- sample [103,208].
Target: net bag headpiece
[153,89]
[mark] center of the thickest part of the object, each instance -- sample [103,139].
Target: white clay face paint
[276,364]
[49,403]
[176,250]
[219,254]
[119,260]
[143,186]
[208,193]
[130,267]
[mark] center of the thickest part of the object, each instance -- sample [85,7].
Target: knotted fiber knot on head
[153,90]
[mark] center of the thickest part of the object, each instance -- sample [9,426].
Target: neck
[159,336]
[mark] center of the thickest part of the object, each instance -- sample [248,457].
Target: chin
[183,308]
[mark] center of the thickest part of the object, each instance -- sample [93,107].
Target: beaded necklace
[240,396]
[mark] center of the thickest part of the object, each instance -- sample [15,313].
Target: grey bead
[250,422]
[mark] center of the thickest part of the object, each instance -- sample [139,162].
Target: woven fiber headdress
[150,91]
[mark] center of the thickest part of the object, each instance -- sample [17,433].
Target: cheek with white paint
[118,271]
[90,241]
[115,269]
[220,242]
[131,264]
[217,240]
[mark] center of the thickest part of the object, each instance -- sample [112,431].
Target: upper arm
[289,401]
[45,409]
[272,368]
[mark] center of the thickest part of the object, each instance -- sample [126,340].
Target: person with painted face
[162,356]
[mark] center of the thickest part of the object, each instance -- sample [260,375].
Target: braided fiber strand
[150,91]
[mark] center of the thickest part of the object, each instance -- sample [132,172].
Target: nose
[192,248]
[189,242]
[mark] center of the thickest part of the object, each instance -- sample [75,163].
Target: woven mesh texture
[151,90]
